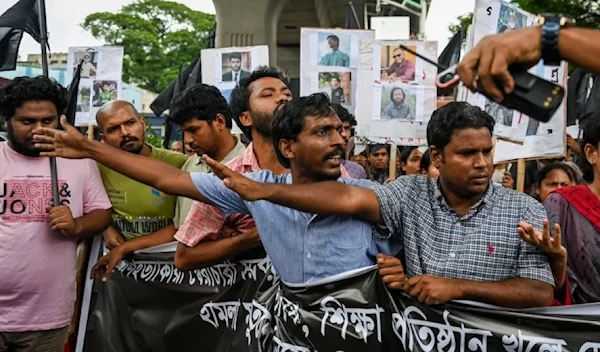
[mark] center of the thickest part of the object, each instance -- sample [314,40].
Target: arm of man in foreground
[329,197]
[71,144]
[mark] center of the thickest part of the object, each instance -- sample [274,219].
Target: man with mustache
[459,231]
[202,114]
[398,108]
[138,210]
[303,247]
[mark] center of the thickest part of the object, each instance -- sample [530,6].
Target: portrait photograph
[510,19]
[399,102]
[84,97]
[397,64]
[334,49]
[89,68]
[501,114]
[235,66]
[104,91]
[337,85]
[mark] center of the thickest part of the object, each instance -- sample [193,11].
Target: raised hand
[69,143]
[542,240]
[242,185]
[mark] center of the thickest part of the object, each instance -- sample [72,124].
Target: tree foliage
[157,36]
[464,22]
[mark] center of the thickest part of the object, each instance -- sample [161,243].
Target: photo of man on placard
[235,62]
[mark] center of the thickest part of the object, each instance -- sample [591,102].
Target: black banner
[149,305]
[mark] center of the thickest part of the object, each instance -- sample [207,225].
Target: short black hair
[199,101]
[591,135]
[24,89]
[373,148]
[235,55]
[289,120]
[240,95]
[455,116]
[557,165]
[344,114]
[425,161]
[334,37]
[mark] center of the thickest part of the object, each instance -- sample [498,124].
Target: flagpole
[44,45]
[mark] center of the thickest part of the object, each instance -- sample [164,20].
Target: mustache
[128,139]
[336,152]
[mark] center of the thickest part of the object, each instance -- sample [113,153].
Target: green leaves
[157,36]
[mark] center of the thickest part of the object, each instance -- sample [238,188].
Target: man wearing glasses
[401,69]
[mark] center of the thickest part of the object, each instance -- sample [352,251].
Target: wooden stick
[90,132]
[393,157]
[521,175]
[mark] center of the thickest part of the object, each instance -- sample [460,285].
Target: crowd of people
[446,229]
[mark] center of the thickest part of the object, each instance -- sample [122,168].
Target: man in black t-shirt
[337,92]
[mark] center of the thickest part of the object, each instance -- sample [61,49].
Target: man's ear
[286,148]
[220,122]
[143,121]
[246,119]
[436,156]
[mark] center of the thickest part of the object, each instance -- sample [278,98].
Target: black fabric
[21,17]
[450,56]
[148,305]
[72,92]
[352,21]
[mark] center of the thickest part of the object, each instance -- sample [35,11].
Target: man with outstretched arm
[459,230]
[303,247]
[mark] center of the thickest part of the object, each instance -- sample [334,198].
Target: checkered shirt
[204,222]
[481,246]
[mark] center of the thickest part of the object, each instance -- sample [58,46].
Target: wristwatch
[551,25]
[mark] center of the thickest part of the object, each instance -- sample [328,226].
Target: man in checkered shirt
[459,231]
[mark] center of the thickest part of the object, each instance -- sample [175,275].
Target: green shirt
[196,164]
[335,58]
[138,209]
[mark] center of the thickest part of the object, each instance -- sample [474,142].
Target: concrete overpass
[277,23]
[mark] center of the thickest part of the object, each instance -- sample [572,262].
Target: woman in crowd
[552,177]
[410,160]
[427,167]
[577,210]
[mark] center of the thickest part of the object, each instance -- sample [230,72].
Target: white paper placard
[537,139]
[396,106]
[224,67]
[101,79]
[329,71]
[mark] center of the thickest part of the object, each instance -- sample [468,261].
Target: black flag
[352,21]
[72,93]
[450,57]
[22,17]
[179,86]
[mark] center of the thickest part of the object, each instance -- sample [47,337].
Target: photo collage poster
[402,92]
[224,67]
[101,79]
[519,137]
[329,62]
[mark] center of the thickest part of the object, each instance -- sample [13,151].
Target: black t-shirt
[337,96]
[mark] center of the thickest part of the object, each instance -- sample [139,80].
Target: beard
[24,147]
[262,123]
[131,148]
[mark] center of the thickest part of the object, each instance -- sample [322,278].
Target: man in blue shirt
[303,247]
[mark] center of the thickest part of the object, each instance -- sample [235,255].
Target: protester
[177,147]
[202,114]
[362,160]
[355,170]
[410,160]
[379,162]
[207,237]
[427,167]
[137,209]
[577,211]
[451,250]
[552,177]
[38,250]
[303,248]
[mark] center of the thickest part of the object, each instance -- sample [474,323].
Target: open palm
[69,143]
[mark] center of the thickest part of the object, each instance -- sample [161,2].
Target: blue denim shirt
[303,247]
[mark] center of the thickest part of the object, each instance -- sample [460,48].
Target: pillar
[248,23]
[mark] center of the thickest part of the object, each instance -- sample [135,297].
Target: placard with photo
[101,79]
[225,67]
[391,63]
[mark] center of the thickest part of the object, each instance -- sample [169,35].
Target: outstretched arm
[328,197]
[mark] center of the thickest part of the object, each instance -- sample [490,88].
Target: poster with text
[401,90]
[101,79]
[225,67]
[328,63]
[520,137]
